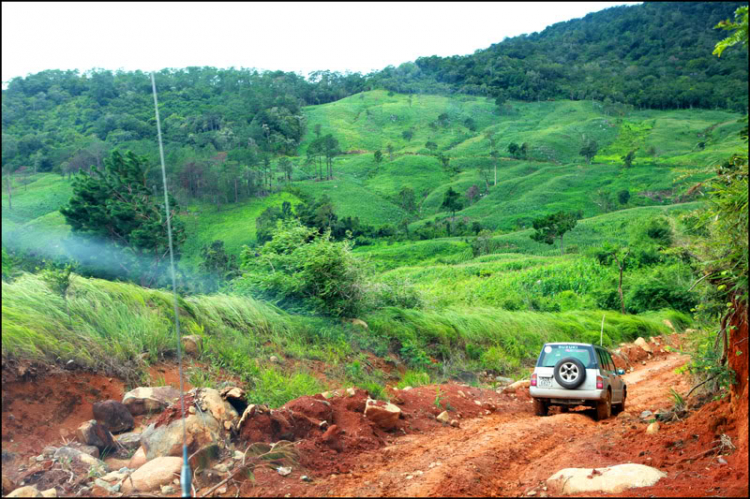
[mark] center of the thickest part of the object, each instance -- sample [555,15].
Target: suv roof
[571,343]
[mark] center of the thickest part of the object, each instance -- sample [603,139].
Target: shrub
[299,264]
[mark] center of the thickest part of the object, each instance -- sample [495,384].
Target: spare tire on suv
[570,373]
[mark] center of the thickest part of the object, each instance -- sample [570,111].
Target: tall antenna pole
[185,473]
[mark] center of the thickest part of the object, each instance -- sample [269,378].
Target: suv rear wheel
[569,373]
[604,407]
[540,407]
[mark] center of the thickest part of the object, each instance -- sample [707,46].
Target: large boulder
[146,399]
[613,479]
[129,441]
[210,400]
[643,344]
[155,473]
[28,491]
[138,459]
[114,415]
[166,439]
[192,344]
[93,433]
[383,414]
[74,455]
[518,385]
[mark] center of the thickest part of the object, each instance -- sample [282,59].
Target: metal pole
[185,473]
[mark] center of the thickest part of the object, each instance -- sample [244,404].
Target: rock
[222,468]
[643,344]
[166,440]
[305,478]
[503,380]
[351,391]
[93,433]
[205,457]
[332,438]
[129,441]
[49,492]
[722,461]
[49,451]
[102,483]
[652,429]
[531,493]
[115,476]
[623,415]
[613,479]
[28,491]
[383,414]
[138,459]
[114,415]
[8,485]
[155,473]
[284,471]
[646,415]
[167,489]
[143,399]
[274,359]
[72,454]
[443,417]
[192,344]
[360,323]
[407,388]
[232,392]
[522,384]
[210,400]
[643,362]
[454,423]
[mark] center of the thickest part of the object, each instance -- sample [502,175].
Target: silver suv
[573,374]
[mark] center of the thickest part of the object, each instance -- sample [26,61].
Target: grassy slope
[556,179]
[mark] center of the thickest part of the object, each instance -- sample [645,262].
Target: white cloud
[289,36]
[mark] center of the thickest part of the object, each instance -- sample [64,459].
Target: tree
[389,148]
[524,150]
[554,226]
[117,211]
[378,158]
[331,150]
[740,28]
[407,135]
[619,254]
[317,130]
[452,202]
[603,201]
[407,200]
[472,193]
[628,158]
[623,196]
[589,150]
[494,154]
[513,149]
[286,166]
[217,264]
[430,145]
[58,278]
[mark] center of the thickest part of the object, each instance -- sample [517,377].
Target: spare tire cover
[570,373]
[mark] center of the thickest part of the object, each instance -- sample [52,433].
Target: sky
[299,37]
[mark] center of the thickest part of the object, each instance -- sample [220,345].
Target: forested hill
[655,55]
[651,55]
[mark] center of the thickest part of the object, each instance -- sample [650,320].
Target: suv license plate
[545,382]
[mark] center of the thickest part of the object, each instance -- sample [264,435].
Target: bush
[414,379]
[651,295]
[299,264]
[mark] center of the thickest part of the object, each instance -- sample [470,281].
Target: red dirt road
[512,451]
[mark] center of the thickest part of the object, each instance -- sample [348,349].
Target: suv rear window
[553,353]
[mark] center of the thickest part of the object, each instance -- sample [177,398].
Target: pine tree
[114,211]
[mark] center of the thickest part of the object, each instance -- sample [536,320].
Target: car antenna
[185,472]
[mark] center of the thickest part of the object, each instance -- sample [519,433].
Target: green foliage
[59,279]
[414,379]
[589,150]
[623,196]
[301,265]
[275,388]
[740,28]
[554,226]
[116,207]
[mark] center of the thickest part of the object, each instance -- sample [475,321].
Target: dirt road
[505,454]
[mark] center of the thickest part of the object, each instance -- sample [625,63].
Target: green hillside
[553,177]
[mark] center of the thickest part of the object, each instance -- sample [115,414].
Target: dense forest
[650,56]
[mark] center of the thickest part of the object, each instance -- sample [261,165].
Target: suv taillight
[599,383]
[533,379]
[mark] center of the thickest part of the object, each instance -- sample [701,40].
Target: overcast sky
[300,37]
